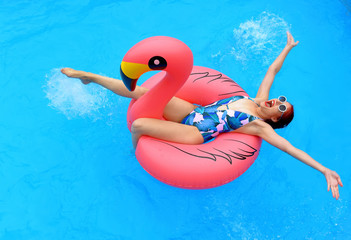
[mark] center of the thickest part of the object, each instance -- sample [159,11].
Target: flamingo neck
[152,103]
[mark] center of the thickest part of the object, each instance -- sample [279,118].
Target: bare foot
[69,72]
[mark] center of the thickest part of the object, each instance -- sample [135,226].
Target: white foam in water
[74,99]
[259,40]
[261,36]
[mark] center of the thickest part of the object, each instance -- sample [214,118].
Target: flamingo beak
[130,73]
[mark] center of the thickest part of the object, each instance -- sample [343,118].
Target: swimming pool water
[67,166]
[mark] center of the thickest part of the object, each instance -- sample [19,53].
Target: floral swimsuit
[211,122]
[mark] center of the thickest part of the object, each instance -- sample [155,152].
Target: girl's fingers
[333,181]
[340,183]
[332,191]
[328,182]
[337,193]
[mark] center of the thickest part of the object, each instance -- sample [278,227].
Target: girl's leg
[165,130]
[114,85]
[175,111]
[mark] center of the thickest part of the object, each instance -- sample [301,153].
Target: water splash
[74,99]
[257,41]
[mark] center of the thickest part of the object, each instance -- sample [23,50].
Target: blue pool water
[67,166]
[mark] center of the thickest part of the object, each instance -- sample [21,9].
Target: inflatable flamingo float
[187,166]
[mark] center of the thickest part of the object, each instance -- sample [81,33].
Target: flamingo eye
[157,63]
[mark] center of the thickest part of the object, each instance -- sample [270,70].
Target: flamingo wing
[230,150]
[198,166]
[214,84]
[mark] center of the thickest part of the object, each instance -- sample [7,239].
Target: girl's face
[272,108]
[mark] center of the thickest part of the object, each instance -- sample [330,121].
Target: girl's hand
[333,181]
[291,42]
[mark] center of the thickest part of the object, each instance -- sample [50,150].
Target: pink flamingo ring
[186,166]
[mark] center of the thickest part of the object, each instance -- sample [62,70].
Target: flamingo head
[156,53]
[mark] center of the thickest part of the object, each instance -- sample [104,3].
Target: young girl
[263,116]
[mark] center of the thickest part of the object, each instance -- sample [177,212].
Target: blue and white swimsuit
[210,121]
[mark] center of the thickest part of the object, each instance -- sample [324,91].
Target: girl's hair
[284,121]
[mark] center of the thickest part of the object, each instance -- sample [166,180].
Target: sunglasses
[282,107]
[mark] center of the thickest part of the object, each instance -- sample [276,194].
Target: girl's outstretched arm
[263,91]
[268,134]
